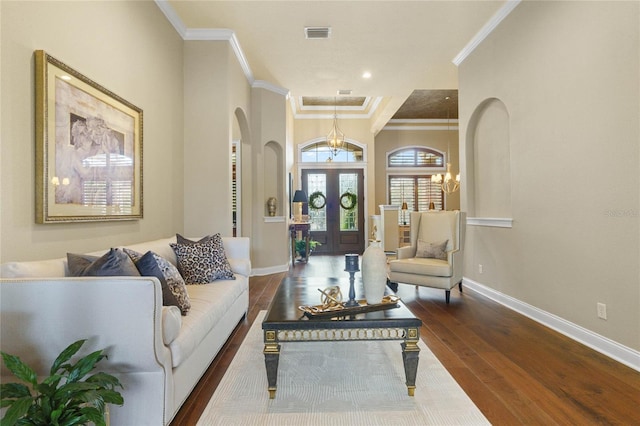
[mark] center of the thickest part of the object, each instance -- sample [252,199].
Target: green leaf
[94,415]
[14,390]
[84,365]
[66,355]
[21,370]
[111,397]
[53,380]
[18,409]
[105,380]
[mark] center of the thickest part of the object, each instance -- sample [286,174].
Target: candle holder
[351,266]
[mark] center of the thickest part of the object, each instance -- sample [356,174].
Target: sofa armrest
[238,251]
[40,317]
[406,252]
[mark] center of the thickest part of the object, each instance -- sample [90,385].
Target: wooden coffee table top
[283,313]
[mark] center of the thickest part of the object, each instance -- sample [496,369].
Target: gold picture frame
[88,148]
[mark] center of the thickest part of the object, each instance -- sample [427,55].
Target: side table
[305,230]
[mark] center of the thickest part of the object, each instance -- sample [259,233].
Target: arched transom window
[319,152]
[416,157]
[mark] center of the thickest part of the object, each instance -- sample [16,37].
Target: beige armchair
[434,258]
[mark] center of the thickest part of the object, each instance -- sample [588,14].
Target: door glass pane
[348,217]
[318,217]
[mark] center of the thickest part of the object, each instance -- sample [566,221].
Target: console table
[305,229]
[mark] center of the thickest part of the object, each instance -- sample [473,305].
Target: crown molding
[193,34]
[172,17]
[375,102]
[487,29]
[261,84]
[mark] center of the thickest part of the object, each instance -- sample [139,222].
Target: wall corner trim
[604,345]
[273,219]
[494,222]
[270,270]
[484,32]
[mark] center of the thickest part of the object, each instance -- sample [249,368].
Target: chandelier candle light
[448,184]
[335,138]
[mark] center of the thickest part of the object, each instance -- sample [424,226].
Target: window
[319,152]
[409,172]
[416,157]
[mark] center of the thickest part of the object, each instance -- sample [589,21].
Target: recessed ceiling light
[366,74]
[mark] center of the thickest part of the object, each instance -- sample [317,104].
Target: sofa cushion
[432,250]
[112,264]
[174,291]
[421,266]
[204,261]
[208,304]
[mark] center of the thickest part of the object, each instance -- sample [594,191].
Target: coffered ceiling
[407,47]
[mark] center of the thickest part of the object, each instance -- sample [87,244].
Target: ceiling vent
[345,92]
[317,32]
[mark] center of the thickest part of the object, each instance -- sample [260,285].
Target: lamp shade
[299,196]
[404,206]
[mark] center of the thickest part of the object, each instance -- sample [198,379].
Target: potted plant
[301,247]
[63,398]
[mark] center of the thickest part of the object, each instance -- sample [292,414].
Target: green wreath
[317,200]
[348,200]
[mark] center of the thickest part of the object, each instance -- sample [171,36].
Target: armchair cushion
[422,266]
[432,250]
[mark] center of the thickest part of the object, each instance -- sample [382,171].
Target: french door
[336,209]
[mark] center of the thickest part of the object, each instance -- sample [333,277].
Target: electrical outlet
[602,310]
[480,269]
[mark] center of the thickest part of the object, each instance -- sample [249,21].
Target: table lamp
[299,198]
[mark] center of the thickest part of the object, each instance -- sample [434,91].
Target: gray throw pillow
[430,250]
[174,291]
[114,263]
[204,261]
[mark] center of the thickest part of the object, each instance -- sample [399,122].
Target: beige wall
[390,140]
[269,131]
[567,75]
[127,47]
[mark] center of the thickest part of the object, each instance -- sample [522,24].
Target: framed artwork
[88,148]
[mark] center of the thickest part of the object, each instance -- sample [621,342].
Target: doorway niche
[273,180]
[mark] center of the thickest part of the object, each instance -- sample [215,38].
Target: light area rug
[337,383]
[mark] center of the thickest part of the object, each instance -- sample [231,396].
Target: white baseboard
[270,270]
[608,347]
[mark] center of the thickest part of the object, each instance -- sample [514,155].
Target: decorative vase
[374,274]
[271,206]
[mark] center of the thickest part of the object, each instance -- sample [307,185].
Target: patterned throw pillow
[174,290]
[432,250]
[204,261]
[114,263]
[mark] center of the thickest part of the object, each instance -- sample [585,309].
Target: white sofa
[157,354]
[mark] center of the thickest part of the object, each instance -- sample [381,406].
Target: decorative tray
[339,310]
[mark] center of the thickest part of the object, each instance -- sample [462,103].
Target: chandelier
[335,138]
[448,184]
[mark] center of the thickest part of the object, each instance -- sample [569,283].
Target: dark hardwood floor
[515,370]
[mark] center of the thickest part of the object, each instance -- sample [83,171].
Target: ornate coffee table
[284,323]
